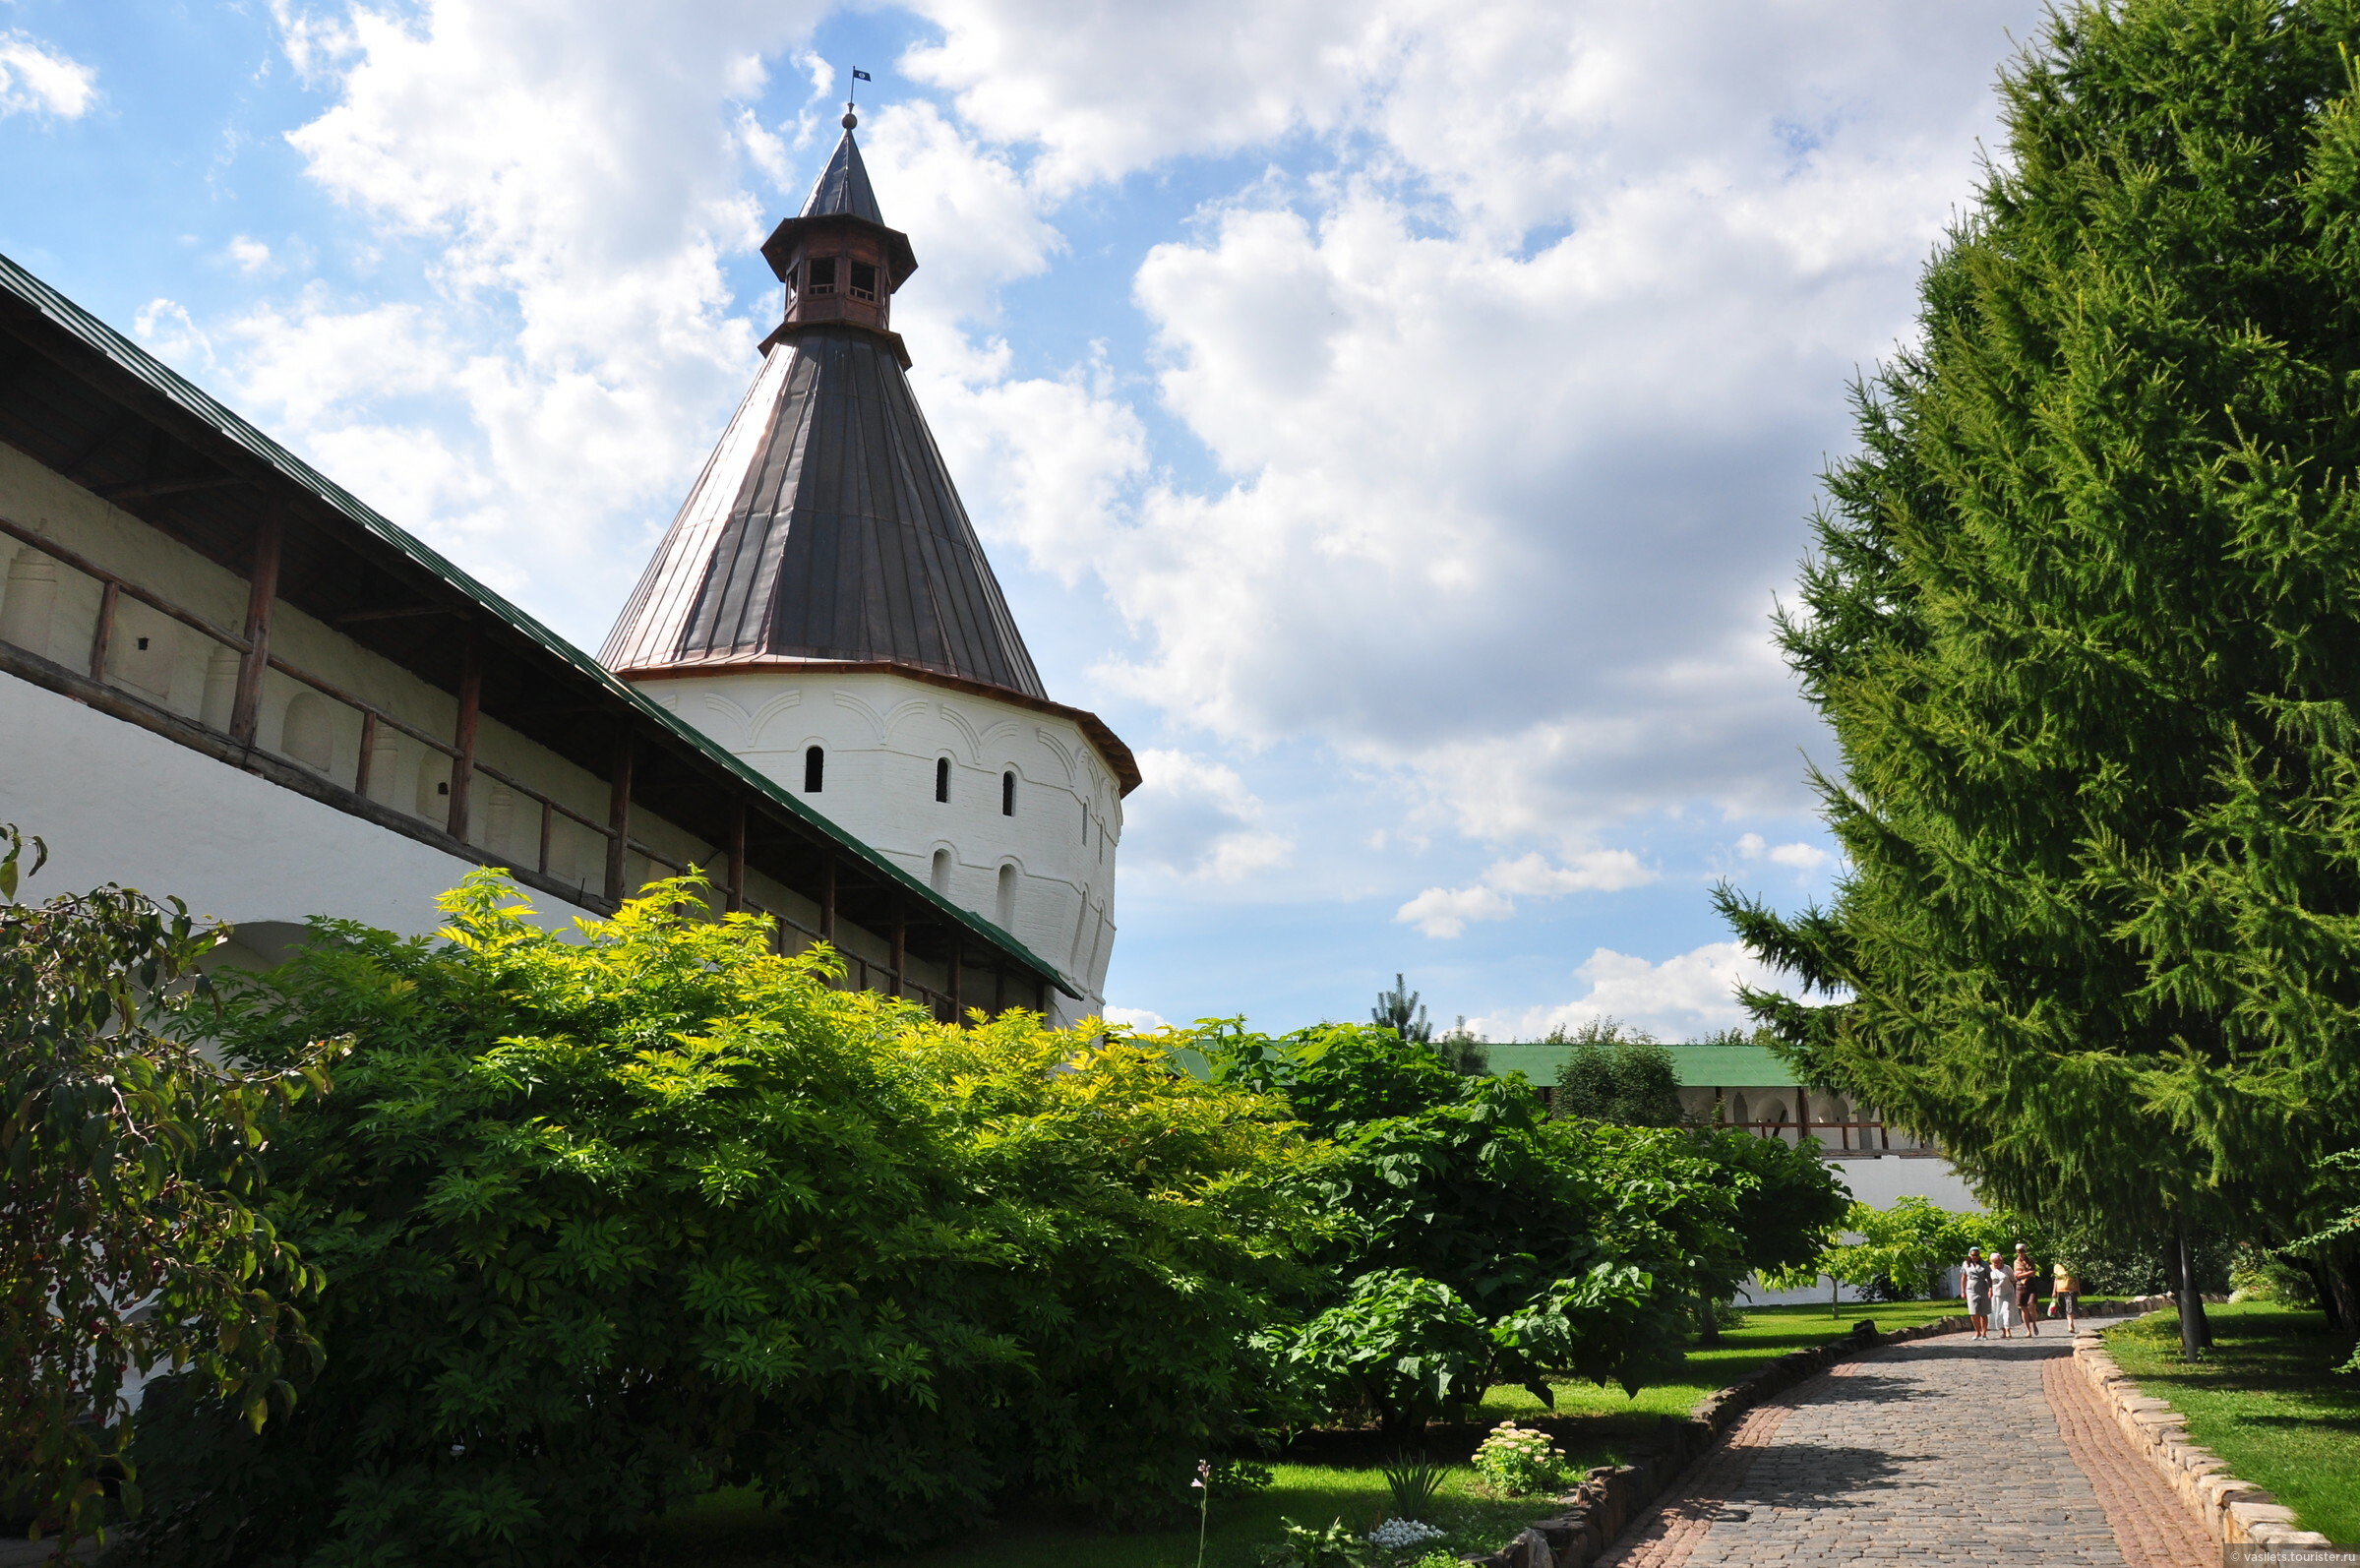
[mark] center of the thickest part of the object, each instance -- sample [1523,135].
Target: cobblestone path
[1944,1450]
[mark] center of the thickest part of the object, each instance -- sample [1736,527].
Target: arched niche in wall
[29,601]
[1004,904]
[499,824]
[938,877]
[307,732]
[385,767]
[433,788]
[220,686]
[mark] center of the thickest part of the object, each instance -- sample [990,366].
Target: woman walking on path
[2003,1299]
[2026,1285]
[1974,1283]
[2065,1295]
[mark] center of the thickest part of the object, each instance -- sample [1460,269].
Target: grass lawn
[2265,1401]
[1330,1475]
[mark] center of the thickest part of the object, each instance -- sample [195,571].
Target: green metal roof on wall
[194,400]
[1699,1066]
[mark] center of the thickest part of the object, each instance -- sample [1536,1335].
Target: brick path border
[2152,1525]
[2227,1509]
[1611,1499]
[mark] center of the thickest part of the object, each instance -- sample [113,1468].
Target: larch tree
[2084,615]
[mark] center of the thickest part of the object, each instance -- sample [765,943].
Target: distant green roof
[1699,1066]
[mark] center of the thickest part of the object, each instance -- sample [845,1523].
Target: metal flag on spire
[851,93]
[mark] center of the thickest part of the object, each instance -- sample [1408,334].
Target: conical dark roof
[843,190]
[825,526]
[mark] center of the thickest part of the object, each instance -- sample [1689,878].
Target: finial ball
[850,119]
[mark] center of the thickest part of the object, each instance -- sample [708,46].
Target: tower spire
[825,525]
[838,260]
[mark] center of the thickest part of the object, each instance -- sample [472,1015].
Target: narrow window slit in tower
[1007,794]
[943,778]
[814,768]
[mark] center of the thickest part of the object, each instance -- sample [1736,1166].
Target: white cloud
[982,226]
[1108,89]
[37,79]
[1605,870]
[1040,463]
[1138,1019]
[1530,354]
[250,256]
[1445,912]
[1683,997]
[573,180]
[1802,858]
[1196,819]
[168,329]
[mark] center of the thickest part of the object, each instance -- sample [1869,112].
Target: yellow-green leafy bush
[611,1218]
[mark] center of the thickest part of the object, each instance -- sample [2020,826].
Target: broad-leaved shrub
[611,1218]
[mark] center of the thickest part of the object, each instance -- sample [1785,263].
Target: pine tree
[1399,1011]
[2084,615]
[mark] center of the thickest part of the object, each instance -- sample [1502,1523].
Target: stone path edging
[1611,1497]
[2231,1510]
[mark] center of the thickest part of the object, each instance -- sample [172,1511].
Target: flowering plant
[1396,1535]
[1517,1461]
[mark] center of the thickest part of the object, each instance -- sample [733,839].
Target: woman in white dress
[2004,1315]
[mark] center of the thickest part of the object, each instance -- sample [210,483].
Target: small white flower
[1395,1533]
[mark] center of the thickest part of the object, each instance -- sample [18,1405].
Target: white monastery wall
[1881,1182]
[233,846]
[190,674]
[117,803]
[1045,873]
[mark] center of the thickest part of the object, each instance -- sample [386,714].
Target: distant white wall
[1879,1183]
[883,736]
[119,804]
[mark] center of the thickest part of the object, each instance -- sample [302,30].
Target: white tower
[823,608]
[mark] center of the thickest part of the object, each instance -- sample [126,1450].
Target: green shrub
[1616,1073]
[614,1219]
[1578,1246]
[1401,1348]
[129,1231]
[1335,1546]
[1905,1251]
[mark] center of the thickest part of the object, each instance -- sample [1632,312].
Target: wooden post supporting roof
[737,857]
[363,772]
[104,636]
[471,705]
[261,593]
[828,894]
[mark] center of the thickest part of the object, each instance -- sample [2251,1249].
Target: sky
[1398,420]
